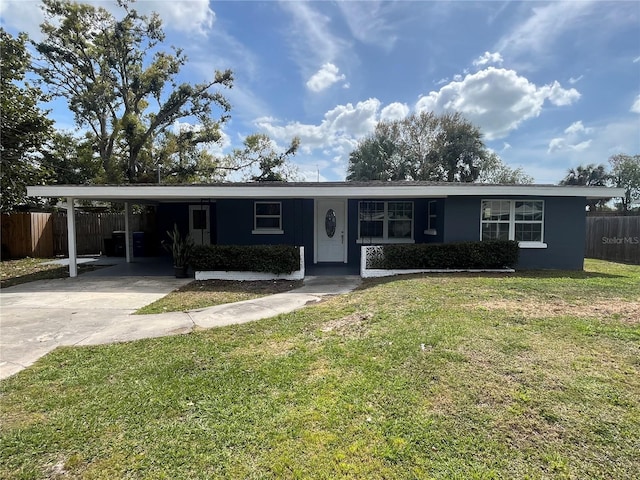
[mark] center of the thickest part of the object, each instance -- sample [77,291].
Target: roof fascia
[196,192]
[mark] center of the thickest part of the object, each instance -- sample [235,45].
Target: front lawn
[208,293]
[24,270]
[527,375]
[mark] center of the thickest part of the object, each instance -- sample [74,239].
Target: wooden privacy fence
[45,234]
[93,228]
[614,238]
[27,235]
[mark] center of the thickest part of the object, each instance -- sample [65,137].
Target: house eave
[122,193]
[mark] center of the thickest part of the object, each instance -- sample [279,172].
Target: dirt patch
[354,325]
[623,310]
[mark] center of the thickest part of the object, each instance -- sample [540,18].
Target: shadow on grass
[49,274]
[540,274]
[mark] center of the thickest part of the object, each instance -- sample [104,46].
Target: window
[268,217]
[519,220]
[385,221]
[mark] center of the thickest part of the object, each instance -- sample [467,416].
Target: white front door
[331,233]
[199,224]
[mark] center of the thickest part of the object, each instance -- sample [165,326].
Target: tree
[422,146]
[105,69]
[590,176]
[25,128]
[261,162]
[493,170]
[625,172]
[67,159]
[184,161]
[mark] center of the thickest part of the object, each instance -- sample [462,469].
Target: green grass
[24,270]
[207,293]
[533,375]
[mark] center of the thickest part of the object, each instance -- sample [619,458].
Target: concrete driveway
[37,317]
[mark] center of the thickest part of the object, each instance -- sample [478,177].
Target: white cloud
[497,100]
[312,42]
[324,78]
[574,80]
[180,15]
[577,127]
[573,139]
[635,108]
[636,60]
[22,16]
[488,58]
[336,135]
[368,22]
[394,111]
[541,29]
[191,16]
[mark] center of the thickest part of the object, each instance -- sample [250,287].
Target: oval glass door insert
[330,223]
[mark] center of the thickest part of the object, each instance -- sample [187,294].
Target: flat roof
[401,189]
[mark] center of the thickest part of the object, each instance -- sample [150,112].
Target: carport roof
[402,189]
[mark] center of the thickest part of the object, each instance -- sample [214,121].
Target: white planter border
[251,276]
[379,272]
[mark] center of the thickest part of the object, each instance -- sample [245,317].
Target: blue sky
[552,85]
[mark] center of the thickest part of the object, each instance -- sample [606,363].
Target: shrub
[276,259]
[465,255]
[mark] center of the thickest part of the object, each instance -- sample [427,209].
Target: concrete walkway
[37,317]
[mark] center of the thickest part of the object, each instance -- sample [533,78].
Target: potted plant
[181,249]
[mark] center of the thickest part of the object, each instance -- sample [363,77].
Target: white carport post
[127,231]
[71,238]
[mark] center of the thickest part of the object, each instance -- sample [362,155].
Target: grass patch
[207,293]
[24,270]
[405,378]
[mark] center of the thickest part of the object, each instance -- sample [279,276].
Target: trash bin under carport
[119,243]
[138,244]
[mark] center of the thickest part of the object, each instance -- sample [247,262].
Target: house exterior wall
[235,224]
[457,220]
[564,230]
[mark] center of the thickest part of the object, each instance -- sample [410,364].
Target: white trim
[256,229]
[392,190]
[383,241]
[71,238]
[127,232]
[512,222]
[376,272]
[532,245]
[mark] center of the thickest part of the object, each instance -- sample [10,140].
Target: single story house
[332,220]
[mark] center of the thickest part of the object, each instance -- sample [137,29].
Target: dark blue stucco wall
[458,220]
[564,230]
[235,224]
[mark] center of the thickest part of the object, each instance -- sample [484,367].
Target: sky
[552,85]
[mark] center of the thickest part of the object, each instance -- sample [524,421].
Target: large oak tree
[422,146]
[120,84]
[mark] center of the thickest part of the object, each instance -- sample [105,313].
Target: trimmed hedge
[464,255]
[276,259]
